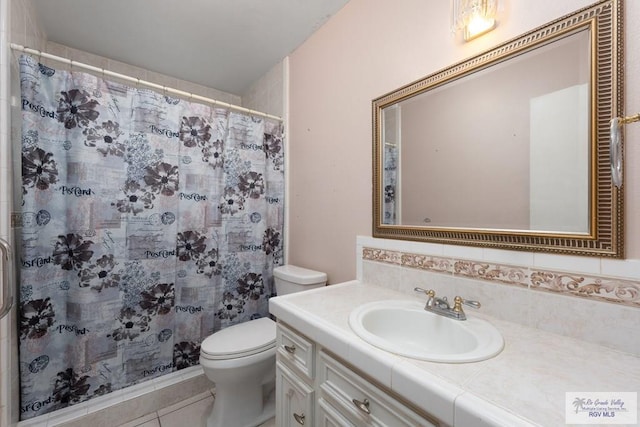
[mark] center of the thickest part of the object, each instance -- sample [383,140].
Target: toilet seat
[243,339]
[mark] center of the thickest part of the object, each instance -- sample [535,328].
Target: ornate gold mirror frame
[604,237]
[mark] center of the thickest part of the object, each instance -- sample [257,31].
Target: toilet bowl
[241,359]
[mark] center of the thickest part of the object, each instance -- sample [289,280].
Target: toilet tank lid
[302,276]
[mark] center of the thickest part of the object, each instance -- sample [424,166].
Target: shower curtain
[148,223]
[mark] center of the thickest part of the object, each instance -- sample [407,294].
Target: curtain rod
[138,81]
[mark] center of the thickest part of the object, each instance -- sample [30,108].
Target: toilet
[241,359]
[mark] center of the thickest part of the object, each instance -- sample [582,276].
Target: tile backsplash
[584,303]
[610,289]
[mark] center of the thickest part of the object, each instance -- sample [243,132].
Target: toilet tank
[290,279]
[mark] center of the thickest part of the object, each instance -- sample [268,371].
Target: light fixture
[474,17]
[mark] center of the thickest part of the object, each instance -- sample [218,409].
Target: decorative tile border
[609,289]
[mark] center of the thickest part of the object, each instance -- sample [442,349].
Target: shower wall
[268,94]
[133,71]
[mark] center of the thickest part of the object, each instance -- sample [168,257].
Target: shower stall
[142,220]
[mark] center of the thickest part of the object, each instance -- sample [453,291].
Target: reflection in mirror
[507,149]
[523,166]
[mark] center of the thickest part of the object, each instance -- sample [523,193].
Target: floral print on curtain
[148,223]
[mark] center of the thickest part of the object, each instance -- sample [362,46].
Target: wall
[370,48]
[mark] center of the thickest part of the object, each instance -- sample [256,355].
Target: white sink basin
[405,328]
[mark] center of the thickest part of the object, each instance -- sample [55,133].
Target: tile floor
[188,413]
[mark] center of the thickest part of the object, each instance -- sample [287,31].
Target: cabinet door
[294,399]
[328,416]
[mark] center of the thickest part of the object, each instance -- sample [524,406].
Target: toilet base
[268,412]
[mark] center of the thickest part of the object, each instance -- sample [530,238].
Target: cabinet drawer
[362,402]
[294,399]
[296,350]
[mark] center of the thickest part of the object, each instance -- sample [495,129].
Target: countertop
[524,385]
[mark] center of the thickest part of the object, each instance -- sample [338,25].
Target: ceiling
[223,44]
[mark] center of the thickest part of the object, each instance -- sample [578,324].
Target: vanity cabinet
[313,385]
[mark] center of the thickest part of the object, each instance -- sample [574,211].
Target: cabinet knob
[290,348]
[299,418]
[362,405]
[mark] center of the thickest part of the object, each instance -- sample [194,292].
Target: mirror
[509,149]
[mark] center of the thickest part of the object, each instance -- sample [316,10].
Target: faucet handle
[457,305]
[470,303]
[430,292]
[457,308]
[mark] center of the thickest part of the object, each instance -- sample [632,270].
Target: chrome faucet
[442,307]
